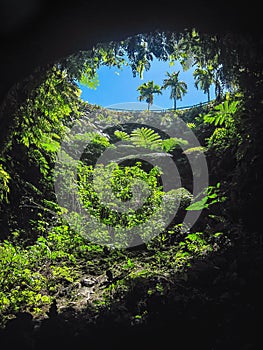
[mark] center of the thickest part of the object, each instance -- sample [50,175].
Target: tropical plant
[211,195]
[225,119]
[4,179]
[223,113]
[148,138]
[145,137]
[31,275]
[178,88]
[204,80]
[147,90]
[104,191]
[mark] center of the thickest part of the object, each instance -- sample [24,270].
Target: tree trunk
[175,104]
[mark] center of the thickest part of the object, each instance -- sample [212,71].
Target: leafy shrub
[224,118]
[4,179]
[22,286]
[119,196]
[222,114]
[219,140]
[210,196]
[31,276]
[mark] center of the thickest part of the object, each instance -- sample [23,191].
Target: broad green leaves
[222,114]
[210,196]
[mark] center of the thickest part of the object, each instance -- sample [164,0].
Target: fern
[145,137]
[122,135]
[148,138]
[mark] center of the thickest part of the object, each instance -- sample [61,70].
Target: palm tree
[204,80]
[147,90]
[178,88]
[218,84]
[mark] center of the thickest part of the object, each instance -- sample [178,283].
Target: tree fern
[122,135]
[148,138]
[145,137]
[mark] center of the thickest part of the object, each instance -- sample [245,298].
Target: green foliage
[45,115]
[34,272]
[30,277]
[44,119]
[191,125]
[106,189]
[172,143]
[222,114]
[83,65]
[22,285]
[210,196]
[147,91]
[204,79]
[224,117]
[184,196]
[91,83]
[122,135]
[195,150]
[145,137]
[39,125]
[4,179]
[148,138]
[129,265]
[178,88]
[221,138]
[197,244]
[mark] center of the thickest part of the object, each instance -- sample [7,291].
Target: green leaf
[51,147]
[173,142]
[199,205]
[90,82]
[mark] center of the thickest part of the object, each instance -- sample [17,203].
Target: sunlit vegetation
[44,259]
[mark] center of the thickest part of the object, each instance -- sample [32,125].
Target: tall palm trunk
[175,103]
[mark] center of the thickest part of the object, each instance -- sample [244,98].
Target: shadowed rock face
[34,33]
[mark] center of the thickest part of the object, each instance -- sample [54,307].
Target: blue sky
[119,86]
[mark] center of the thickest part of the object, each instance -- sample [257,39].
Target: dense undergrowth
[51,264]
